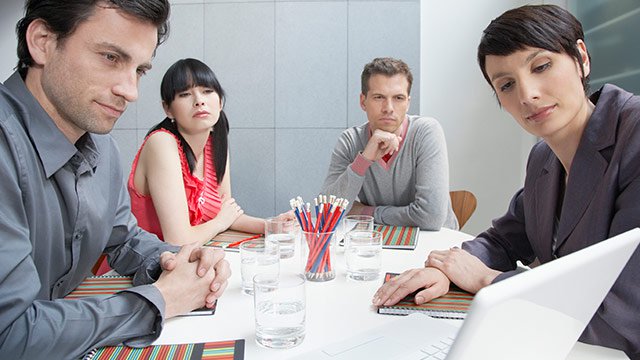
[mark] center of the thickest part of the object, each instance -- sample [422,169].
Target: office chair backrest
[464,204]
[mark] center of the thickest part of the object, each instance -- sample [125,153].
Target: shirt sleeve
[347,169]
[430,208]
[32,325]
[506,242]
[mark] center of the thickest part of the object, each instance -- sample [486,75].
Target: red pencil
[236,243]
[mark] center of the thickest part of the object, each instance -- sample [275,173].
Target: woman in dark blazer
[583,179]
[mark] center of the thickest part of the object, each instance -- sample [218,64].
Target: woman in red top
[179,183]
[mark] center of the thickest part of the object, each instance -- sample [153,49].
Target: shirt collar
[52,147]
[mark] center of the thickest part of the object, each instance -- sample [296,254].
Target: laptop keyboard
[437,351]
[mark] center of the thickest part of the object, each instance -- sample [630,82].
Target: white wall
[10,13]
[487,149]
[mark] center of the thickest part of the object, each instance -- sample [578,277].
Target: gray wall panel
[236,1]
[129,119]
[303,157]
[311,64]
[242,55]
[314,1]
[252,170]
[400,38]
[127,140]
[183,2]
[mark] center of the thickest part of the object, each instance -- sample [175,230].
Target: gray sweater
[411,190]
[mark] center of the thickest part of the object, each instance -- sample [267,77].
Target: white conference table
[335,310]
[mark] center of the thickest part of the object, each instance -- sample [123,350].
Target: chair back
[464,204]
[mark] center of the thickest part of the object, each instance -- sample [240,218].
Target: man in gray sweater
[395,166]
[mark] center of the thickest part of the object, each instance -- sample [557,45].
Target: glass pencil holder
[320,249]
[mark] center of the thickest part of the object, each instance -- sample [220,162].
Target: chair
[464,204]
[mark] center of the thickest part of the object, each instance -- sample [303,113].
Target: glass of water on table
[284,232]
[363,254]
[355,222]
[257,257]
[279,303]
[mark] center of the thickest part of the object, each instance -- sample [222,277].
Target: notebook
[398,237]
[226,238]
[223,350]
[453,305]
[110,284]
[538,314]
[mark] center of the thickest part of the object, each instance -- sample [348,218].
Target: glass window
[611,30]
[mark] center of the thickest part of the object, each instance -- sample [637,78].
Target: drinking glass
[279,302]
[285,233]
[363,254]
[356,222]
[257,257]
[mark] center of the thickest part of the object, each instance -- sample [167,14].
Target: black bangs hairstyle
[183,75]
[548,27]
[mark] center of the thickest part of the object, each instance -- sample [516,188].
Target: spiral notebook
[229,237]
[398,237]
[110,284]
[219,350]
[452,305]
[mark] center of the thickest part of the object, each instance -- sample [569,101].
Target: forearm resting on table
[199,234]
[248,224]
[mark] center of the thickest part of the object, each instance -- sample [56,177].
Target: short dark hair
[548,27]
[385,66]
[185,74]
[64,16]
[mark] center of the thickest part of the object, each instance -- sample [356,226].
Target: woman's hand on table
[229,212]
[433,281]
[462,268]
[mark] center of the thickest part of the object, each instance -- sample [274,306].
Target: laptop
[538,314]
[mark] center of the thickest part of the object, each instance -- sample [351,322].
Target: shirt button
[77,237]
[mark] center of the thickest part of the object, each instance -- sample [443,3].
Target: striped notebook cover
[225,238]
[453,305]
[220,350]
[110,284]
[100,285]
[398,237]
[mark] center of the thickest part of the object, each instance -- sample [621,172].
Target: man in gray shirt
[394,166]
[63,196]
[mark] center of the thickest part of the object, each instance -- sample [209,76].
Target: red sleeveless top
[203,199]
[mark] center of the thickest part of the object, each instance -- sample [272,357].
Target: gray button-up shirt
[62,205]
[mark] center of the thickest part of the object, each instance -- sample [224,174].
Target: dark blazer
[602,199]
